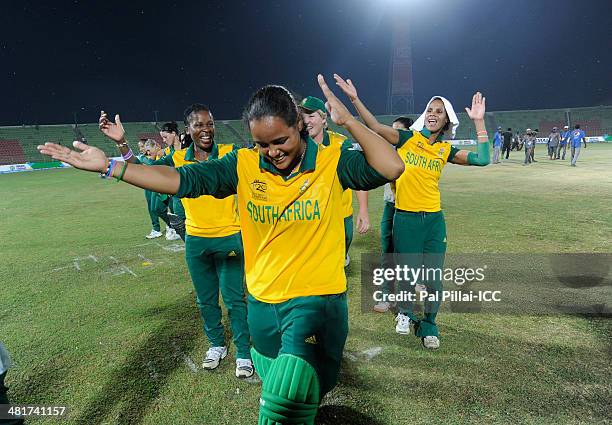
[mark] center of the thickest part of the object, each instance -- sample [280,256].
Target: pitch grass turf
[119,348]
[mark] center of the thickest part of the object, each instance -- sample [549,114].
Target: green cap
[312,104]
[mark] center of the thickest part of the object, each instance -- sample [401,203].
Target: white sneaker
[382,307]
[403,324]
[171,234]
[347,260]
[213,356]
[244,368]
[431,342]
[154,234]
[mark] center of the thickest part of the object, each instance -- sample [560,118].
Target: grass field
[103,321]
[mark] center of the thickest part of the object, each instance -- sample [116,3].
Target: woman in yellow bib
[289,194]
[419,229]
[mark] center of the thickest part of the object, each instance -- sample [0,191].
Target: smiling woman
[289,195]
[419,228]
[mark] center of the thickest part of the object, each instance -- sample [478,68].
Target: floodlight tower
[400,98]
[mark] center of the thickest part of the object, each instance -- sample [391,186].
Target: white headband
[452,117]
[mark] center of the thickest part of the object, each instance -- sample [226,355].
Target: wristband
[109,170]
[128,154]
[122,172]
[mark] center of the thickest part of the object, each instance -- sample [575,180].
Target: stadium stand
[18,143]
[11,152]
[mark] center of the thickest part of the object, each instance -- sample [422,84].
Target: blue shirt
[497,139]
[576,137]
[565,136]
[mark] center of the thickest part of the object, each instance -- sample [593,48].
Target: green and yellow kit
[291,228]
[214,255]
[419,228]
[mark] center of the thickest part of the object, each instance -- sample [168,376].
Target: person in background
[528,144]
[534,137]
[169,133]
[497,144]
[576,138]
[507,146]
[553,143]
[419,227]
[563,142]
[315,118]
[386,221]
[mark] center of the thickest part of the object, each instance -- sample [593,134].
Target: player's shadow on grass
[334,409]
[131,388]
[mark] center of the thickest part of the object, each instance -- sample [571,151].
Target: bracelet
[128,154]
[481,132]
[103,173]
[109,170]
[122,172]
[123,144]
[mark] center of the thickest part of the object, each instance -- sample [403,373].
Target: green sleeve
[481,157]
[217,177]
[404,135]
[347,144]
[164,160]
[453,152]
[355,173]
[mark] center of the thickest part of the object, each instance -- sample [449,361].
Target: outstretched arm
[390,134]
[482,155]
[379,155]
[159,179]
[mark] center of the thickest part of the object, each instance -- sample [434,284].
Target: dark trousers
[506,148]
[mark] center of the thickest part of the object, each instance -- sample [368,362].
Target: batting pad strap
[481,157]
[262,363]
[290,392]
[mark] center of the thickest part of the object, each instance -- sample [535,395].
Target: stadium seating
[596,121]
[11,152]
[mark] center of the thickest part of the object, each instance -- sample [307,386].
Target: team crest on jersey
[258,190]
[420,145]
[441,153]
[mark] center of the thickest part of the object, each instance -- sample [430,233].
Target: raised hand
[477,111]
[113,131]
[337,111]
[90,159]
[347,87]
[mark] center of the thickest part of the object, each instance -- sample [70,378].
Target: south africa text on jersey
[302,210]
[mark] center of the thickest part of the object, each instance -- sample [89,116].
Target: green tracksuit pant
[218,264]
[157,209]
[386,239]
[313,328]
[421,235]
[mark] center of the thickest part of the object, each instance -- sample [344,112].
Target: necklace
[297,167]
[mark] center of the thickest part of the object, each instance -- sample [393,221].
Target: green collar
[426,133]
[308,163]
[325,141]
[190,152]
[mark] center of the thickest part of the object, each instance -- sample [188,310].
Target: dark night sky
[61,57]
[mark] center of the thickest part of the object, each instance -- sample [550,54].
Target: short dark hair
[405,121]
[509,129]
[170,127]
[196,107]
[274,101]
[577,126]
